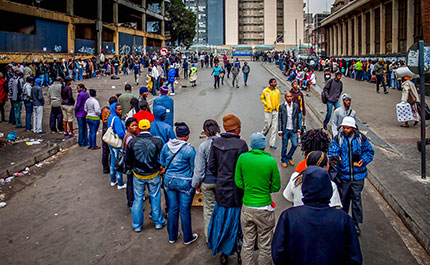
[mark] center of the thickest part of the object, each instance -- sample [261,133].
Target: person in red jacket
[3,96]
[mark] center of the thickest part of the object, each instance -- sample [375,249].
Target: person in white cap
[410,95]
[343,111]
[351,151]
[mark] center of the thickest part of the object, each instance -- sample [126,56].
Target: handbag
[404,112]
[426,110]
[112,138]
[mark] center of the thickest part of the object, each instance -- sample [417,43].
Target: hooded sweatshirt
[316,233]
[159,128]
[182,165]
[339,114]
[118,127]
[166,102]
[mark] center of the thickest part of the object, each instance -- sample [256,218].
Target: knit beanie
[230,122]
[258,141]
[143,89]
[182,129]
[164,90]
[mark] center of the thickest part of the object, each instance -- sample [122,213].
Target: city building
[271,22]
[318,40]
[308,27]
[372,28]
[58,28]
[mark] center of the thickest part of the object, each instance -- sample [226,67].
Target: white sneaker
[113,183]
[172,94]
[195,236]
[121,187]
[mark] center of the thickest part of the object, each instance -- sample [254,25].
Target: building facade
[59,28]
[255,22]
[372,28]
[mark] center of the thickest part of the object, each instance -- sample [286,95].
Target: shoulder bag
[324,93]
[112,138]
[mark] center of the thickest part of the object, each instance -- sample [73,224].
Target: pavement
[395,171]
[65,211]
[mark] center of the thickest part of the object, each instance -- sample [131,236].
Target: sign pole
[422,110]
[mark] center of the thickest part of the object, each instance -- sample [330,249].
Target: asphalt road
[69,214]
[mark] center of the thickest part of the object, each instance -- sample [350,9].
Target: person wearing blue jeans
[288,128]
[177,157]
[93,126]
[330,106]
[118,128]
[92,108]
[245,70]
[332,91]
[83,131]
[17,106]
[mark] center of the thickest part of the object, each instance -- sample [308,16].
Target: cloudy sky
[317,6]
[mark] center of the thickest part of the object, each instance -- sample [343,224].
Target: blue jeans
[172,86]
[289,135]
[180,195]
[155,86]
[114,175]
[330,106]
[154,188]
[93,126]
[83,132]
[17,105]
[300,120]
[28,112]
[245,78]
[81,73]
[76,75]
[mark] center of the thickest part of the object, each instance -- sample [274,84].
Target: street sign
[164,51]
[412,59]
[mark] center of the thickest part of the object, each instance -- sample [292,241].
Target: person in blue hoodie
[216,72]
[159,128]
[118,127]
[167,102]
[315,233]
[177,158]
[171,79]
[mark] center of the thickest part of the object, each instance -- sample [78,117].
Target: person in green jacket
[258,175]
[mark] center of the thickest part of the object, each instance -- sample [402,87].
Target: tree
[182,24]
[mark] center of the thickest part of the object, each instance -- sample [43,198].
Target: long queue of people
[237,183]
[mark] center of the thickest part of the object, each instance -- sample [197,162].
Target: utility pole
[99,26]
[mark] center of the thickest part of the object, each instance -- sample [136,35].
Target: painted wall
[130,44]
[50,37]
[85,46]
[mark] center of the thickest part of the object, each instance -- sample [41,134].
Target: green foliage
[182,25]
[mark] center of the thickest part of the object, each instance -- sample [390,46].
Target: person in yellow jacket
[271,97]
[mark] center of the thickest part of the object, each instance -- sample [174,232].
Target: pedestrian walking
[136,70]
[343,111]
[3,97]
[235,72]
[118,128]
[289,128]
[167,102]
[159,128]
[271,97]
[257,175]
[92,108]
[142,156]
[228,67]
[171,79]
[245,70]
[81,113]
[67,104]
[315,233]
[56,115]
[177,158]
[28,102]
[378,68]
[156,73]
[331,92]
[38,102]
[203,178]
[224,227]
[193,75]
[125,99]
[353,152]
[131,126]
[410,95]
[299,99]
[216,73]
[222,75]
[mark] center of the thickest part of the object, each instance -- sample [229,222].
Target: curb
[400,209]
[37,158]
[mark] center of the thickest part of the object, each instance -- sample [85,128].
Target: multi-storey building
[59,28]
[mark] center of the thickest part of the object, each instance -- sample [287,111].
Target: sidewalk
[395,171]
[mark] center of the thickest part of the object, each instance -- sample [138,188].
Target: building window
[360,36]
[389,27]
[353,36]
[377,30]
[403,11]
[367,17]
[418,28]
[346,37]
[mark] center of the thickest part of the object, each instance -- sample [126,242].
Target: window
[418,28]
[388,27]
[360,36]
[353,36]
[377,30]
[403,11]
[367,17]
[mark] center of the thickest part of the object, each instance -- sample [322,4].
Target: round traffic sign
[164,51]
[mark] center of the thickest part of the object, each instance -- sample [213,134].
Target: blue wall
[85,46]
[50,35]
[130,44]
[108,47]
[215,24]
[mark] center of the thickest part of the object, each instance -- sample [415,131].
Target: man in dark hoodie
[316,233]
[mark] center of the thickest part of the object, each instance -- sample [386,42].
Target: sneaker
[138,230]
[284,165]
[121,187]
[177,237]
[195,236]
[90,147]
[66,134]
[158,227]
[273,146]
[385,92]
[71,135]
[113,183]
[172,94]
[96,148]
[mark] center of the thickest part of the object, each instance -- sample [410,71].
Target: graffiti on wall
[87,50]
[124,50]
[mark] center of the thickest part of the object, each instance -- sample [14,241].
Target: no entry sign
[164,51]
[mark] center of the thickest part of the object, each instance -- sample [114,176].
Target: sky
[318,6]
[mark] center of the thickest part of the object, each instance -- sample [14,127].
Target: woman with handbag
[116,130]
[131,125]
[177,157]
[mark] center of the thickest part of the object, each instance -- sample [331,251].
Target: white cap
[348,121]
